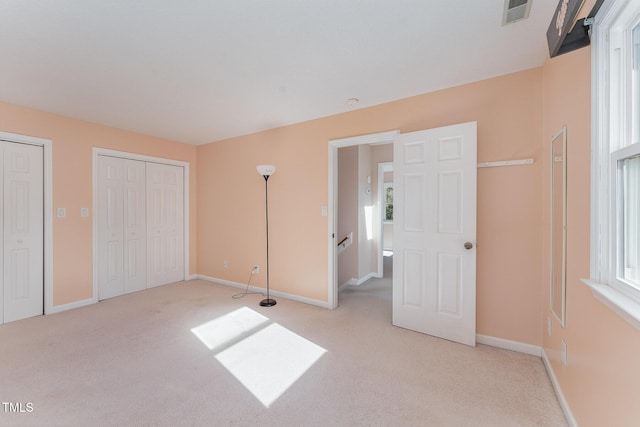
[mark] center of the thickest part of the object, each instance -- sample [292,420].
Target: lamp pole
[266,171]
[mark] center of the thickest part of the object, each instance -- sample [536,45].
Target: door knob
[468,245]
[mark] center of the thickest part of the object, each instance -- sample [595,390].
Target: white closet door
[165,224]
[135,226]
[122,258]
[110,227]
[21,261]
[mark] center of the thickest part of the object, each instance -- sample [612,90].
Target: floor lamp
[266,171]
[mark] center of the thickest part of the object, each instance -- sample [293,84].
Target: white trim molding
[382,168]
[71,305]
[559,394]
[505,344]
[611,131]
[615,300]
[533,350]
[334,144]
[360,281]
[251,288]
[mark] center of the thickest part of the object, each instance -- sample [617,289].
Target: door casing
[334,145]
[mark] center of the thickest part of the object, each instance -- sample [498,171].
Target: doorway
[365,212]
[359,190]
[434,232]
[385,230]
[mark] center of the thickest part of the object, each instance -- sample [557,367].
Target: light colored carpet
[133,360]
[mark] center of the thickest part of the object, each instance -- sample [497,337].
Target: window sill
[619,303]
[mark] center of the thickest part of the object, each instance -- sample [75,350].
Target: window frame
[629,289]
[386,185]
[612,139]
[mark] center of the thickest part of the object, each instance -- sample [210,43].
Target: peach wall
[72,181]
[600,381]
[508,110]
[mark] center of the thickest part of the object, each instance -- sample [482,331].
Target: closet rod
[505,163]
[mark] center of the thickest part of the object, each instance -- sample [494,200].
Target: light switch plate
[62,212]
[84,212]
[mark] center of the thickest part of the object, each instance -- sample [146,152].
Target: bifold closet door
[121,226]
[165,224]
[22,231]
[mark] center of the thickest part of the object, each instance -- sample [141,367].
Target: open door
[434,265]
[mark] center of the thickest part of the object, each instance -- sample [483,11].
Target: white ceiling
[199,71]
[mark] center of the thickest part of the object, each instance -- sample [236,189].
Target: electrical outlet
[256,269]
[226,263]
[564,352]
[549,325]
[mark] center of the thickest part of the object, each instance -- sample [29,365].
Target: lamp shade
[266,170]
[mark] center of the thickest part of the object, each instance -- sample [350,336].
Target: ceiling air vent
[515,10]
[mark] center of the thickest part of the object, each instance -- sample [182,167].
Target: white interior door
[122,258]
[165,224]
[110,227]
[434,274]
[21,234]
[135,226]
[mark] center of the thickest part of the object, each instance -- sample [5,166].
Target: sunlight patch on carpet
[263,356]
[268,362]
[224,330]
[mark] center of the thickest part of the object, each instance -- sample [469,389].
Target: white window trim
[608,111]
[385,185]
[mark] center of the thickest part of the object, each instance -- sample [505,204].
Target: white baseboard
[70,306]
[556,387]
[297,298]
[358,282]
[520,347]
[344,285]
[89,301]
[533,351]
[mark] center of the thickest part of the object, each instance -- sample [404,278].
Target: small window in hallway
[388,202]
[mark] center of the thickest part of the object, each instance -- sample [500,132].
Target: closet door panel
[110,227]
[165,224]
[173,176]
[155,226]
[135,228]
[22,235]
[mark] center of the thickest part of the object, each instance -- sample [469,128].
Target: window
[615,182]
[388,202]
[628,220]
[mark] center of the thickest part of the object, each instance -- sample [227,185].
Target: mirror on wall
[558,223]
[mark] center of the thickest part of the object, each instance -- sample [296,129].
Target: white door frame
[382,168]
[96,151]
[334,144]
[46,144]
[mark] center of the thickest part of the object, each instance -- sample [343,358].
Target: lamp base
[268,302]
